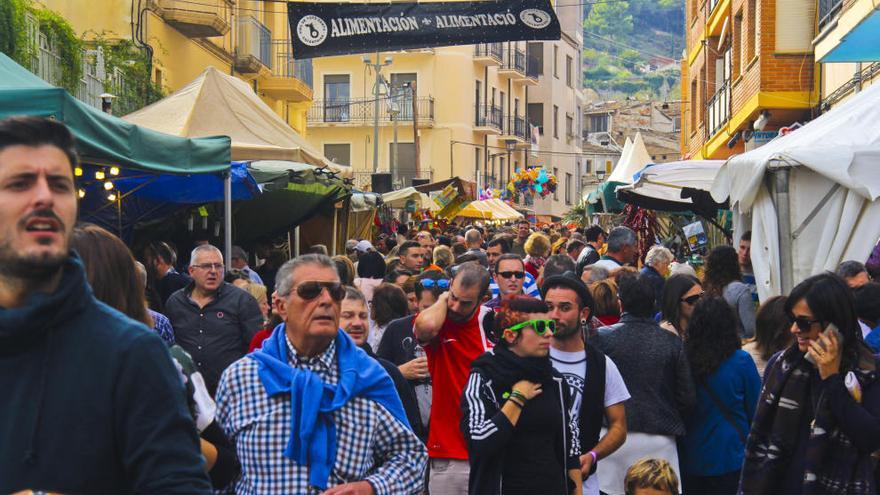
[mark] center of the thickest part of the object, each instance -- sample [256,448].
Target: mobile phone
[830,328]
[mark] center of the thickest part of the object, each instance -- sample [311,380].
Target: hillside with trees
[632,47]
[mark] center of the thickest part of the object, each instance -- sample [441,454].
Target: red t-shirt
[450,355]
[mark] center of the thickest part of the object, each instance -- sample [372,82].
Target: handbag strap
[728,416]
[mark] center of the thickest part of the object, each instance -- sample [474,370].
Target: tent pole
[335,220]
[227,218]
[781,177]
[296,241]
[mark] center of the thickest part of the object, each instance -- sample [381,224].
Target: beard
[30,268]
[565,330]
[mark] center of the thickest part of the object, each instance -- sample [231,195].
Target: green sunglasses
[539,326]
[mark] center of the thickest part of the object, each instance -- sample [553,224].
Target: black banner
[324,29]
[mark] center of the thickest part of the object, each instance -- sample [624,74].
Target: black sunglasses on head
[311,290]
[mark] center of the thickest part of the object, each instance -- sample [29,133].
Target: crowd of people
[472,359]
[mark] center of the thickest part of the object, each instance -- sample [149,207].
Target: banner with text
[325,29]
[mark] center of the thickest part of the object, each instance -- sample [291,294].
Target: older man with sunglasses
[310,412]
[213,321]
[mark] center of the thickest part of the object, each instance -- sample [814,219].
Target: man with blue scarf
[310,412]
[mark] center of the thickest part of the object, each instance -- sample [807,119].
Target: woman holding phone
[818,417]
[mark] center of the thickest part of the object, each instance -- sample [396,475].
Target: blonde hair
[258,291]
[650,473]
[604,293]
[537,245]
[658,254]
[443,256]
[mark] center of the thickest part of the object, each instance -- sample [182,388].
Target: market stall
[633,159]
[490,209]
[674,186]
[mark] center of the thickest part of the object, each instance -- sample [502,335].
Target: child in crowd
[651,477]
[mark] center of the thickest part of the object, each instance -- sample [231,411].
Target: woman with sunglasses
[515,410]
[817,425]
[680,294]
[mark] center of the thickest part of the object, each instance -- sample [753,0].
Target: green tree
[609,19]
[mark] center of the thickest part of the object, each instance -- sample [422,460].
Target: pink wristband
[595,458]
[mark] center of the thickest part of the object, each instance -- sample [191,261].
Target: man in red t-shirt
[452,335]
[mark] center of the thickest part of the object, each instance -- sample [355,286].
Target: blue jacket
[712,445]
[657,282]
[92,402]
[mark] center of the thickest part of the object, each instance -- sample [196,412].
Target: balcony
[196,20]
[513,64]
[360,112]
[515,129]
[253,53]
[488,53]
[711,7]
[718,109]
[488,119]
[291,80]
[828,10]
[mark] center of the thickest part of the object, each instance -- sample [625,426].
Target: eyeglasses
[539,326]
[803,323]
[209,266]
[440,283]
[691,300]
[518,275]
[311,290]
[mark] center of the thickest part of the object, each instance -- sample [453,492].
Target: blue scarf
[312,431]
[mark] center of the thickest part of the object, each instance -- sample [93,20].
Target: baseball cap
[364,246]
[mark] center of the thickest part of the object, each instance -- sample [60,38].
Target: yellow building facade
[247,38]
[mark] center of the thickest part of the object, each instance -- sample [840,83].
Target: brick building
[746,61]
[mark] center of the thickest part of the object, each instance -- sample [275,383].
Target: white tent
[631,162]
[662,184]
[399,198]
[821,207]
[219,104]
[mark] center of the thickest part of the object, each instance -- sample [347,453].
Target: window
[478,93]
[158,79]
[751,40]
[608,167]
[339,154]
[478,152]
[568,189]
[337,98]
[556,62]
[556,192]
[739,54]
[694,103]
[555,122]
[402,95]
[536,116]
[405,168]
[589,166]
[599,123]
[503,103]
[580,122]
[568,71]
[569,127]
[536,59]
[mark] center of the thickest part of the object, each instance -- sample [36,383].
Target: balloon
[539,189]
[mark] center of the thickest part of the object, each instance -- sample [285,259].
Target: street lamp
[600,175]
[394,111]
[379,83]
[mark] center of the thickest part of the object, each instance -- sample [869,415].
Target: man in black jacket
[595,239]
[597,389]
[92,402]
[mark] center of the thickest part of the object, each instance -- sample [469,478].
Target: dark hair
[831,301]
[722,268]
[557,265]
[574,245]
[392,276]
[511,311]
[604,294]
[430,275]
[674,289]
[499,241]
[849,269]
[473,274]
[458,249]
[592,234]
[235,274]
[636,294]
[444,240]
[402,229]
[111,271]
[389,303]
[344,267]
[506,257]
[161,250]
[371,265]
[747,236]
[712,337]
[867,299]
[406,246]
[38,131]
[772,327]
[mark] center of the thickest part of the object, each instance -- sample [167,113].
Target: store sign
[760,138]
[325,29]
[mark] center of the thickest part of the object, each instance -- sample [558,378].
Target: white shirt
[573,366]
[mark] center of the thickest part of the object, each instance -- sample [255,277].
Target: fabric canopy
[833,168]
[217,103]
[490,209]
[399,198]
[673,186]
[104,139]
[632,160]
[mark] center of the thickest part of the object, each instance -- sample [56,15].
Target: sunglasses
[518,275]
[311,290]
[691,300]
[539,326]
[803,323]
[440,283]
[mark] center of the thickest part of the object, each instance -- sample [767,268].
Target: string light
[108,185]
[114,170]
[81,192]
[77,171]
[111,197]
[99,174]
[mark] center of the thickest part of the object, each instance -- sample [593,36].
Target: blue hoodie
[91,400]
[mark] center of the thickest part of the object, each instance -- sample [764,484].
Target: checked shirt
[372,445]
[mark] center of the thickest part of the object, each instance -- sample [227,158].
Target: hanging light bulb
[81,193]
[99,174]
[114,170]
[77,171]
[108,185]
[111,197]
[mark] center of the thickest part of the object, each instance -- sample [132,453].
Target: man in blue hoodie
[91,400]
